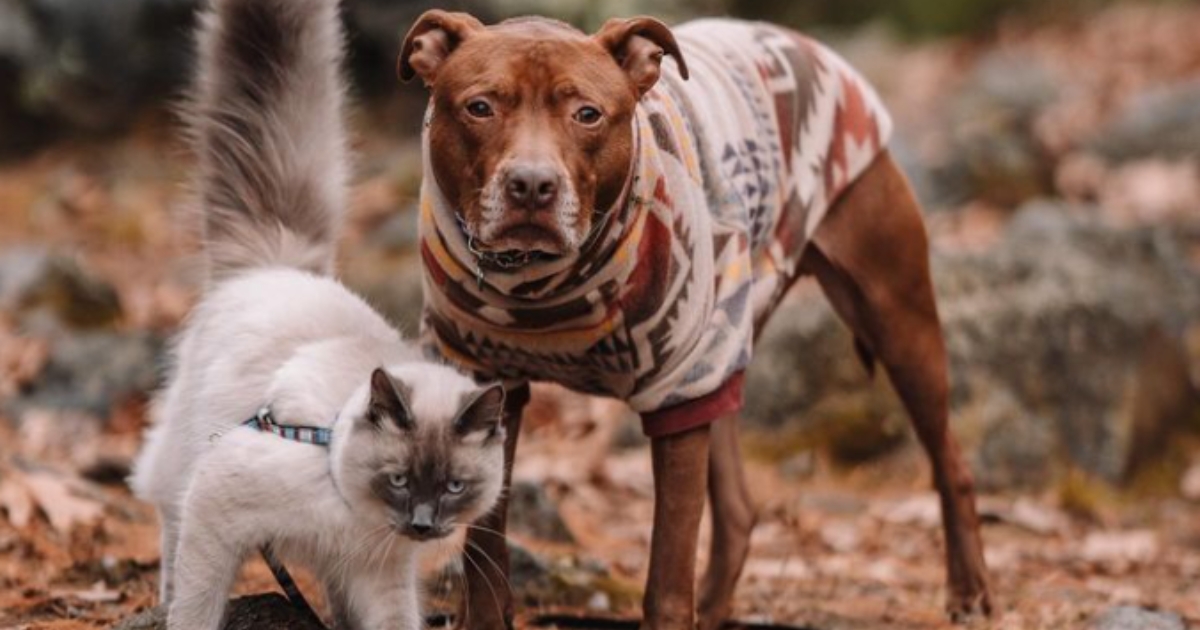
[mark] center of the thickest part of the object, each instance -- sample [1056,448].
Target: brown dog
[592,218]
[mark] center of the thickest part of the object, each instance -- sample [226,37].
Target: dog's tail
[265,121]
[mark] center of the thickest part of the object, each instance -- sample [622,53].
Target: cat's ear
[387,402]
[482,411]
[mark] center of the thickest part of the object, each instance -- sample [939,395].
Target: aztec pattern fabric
[734,170]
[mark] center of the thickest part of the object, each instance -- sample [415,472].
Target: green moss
[1084,496]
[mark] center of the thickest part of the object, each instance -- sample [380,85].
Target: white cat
[400,451]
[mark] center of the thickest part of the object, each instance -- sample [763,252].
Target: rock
[1136,618]
[565,581]
[23,130]
[526,570]
[90,65]
[92,372]
[545,580]
[1081,325]
[1063,339]
[50,291]
[1158,123]
[994,154]
[1017,447]
[532,512]
[254,612]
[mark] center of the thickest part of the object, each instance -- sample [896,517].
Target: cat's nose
[422,519]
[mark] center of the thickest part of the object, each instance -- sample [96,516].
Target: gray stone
[565,580]
[93,372]
[89,65]
[542,579]
[1135,618]
[1063,339]
[994,154]
[48,292]
[1017,447]
[532,512]
[1164,123]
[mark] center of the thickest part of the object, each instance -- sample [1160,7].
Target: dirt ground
[836,547]
[859,549]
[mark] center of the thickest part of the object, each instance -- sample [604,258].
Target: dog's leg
[680,471]
[871,257]
[733,518]
[487,603]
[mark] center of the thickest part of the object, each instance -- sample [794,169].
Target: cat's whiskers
[384,559]
[374,557]
[482,529]
[460,575]
[487,582]
[344,561]
[503,574]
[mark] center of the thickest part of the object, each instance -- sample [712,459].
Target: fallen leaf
[62,505]
[98,593]
[15,500]
[1037,518]
[923,510]
[1131,546]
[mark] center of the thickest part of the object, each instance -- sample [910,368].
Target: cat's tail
[265,121]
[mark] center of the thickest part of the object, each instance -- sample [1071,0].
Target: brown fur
[870,256]
[535,74]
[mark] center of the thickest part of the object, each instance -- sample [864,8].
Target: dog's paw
[965,608]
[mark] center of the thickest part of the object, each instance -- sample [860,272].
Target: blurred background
[1055,145]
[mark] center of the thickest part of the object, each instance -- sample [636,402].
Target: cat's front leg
[207,557]
[205,570]
[386,600]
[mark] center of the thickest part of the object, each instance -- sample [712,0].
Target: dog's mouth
[520,246]
[515,259]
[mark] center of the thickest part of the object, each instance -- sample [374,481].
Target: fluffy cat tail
[265,121]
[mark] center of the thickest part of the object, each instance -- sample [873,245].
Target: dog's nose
[531,187]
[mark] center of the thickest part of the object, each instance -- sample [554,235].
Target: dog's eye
[454,486]
[588,115]
[398,480]
[479,108]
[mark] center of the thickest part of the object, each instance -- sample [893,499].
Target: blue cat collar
[264,421]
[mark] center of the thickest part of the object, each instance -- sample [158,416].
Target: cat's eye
[398,480]
[479,108]
[455,486]
[588,115]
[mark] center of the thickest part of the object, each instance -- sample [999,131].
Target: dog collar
[264,421]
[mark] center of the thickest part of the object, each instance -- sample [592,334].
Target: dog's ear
[431,40]
[638,45]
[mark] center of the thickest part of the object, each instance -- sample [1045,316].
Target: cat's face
[424,451]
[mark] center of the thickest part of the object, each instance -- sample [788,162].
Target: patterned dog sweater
[734,170]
